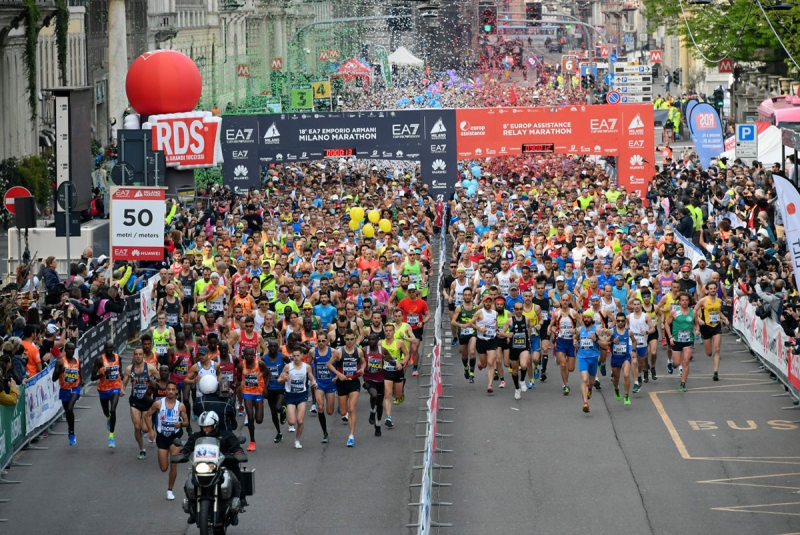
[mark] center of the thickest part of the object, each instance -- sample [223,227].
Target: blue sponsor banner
[688,111]
[706,128]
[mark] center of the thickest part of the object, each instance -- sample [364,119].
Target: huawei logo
[240,170]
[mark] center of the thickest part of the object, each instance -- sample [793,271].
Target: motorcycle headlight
[205,468]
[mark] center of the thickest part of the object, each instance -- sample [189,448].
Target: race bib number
[187,292]
[491,331]
[323,373]
[518,341]
[587,343]
[565,333]
[390,365]
[412,319]
[641,340]
[251,380]
[466,331]
[112,373]
[215,306]
[161,350]
[270,294]
[374,365]
[71,376]
[620,349]
[172,319]
[545,316]
[713,317]
[298,386]
[684,336]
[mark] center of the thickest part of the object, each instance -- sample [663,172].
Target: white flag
[789,203]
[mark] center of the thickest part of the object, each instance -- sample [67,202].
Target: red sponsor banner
[624,131]
[137,253]
[188,140]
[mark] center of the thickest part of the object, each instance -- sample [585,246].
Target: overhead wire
[731,49]
[778,37]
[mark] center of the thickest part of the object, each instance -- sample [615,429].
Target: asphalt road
[721,458]
[328,489]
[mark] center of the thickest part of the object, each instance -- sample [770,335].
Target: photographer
[213,400]
[771,295]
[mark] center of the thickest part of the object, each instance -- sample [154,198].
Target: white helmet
[208,419]
[208,384]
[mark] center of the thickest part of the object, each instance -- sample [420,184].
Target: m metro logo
[188,140]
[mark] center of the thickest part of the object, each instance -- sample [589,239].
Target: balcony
[12,14]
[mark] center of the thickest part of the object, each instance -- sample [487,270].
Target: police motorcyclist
[212,401]
[228,446]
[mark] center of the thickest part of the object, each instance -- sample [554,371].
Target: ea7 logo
[238,135]
[438,149]
[706,121]
[635,143]
[239,154]
[603,125]
[405,130]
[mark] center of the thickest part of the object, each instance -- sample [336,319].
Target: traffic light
[737,72]
[719,97]
[676,77]
[533,11]
[489,19]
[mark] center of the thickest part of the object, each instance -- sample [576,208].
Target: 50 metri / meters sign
[137,223]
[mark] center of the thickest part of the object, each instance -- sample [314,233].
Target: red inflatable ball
[163,81]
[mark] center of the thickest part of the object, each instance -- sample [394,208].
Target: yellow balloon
[368,230]
[385,225]
[374,216]
[354,224]
[356,213]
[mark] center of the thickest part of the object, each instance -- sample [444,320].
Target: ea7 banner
[706,129]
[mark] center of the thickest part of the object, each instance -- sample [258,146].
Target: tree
[31,172]
[734,29]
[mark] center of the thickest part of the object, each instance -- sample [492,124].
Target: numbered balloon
[368,230]
[385,225]
[374,216]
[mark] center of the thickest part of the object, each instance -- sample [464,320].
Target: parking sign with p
[746,141]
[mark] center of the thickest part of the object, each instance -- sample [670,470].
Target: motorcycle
[209,488]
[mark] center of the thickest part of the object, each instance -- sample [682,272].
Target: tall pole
[117,60]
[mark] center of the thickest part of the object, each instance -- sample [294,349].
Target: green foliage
[32,18]
[716,29]
[203,178]
[62,31]
[32,172]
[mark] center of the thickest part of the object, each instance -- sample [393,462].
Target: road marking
[732,480]
[744,509]
[676,438]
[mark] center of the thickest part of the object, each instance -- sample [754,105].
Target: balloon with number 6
[385,225]
[374,216]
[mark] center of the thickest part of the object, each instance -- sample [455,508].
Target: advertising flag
[706,128]
[789,203]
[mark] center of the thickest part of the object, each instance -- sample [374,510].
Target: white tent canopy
[402,56]
[769,147]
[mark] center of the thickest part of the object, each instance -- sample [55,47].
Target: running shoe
[510,370]
[399,400]
[108,423]
[616,394]
[636,387]
[663,341]
[313,408]
[653,373]
[297,445]
[415,372]
[524,386]
[194,416]
[517,394]
[454,342]
[351,442]
[278,438]
[291,429]
[536,372]
[283,415]
[72,439]
[566,390]
[471,377]
[646,377]
[597,384]
[716,376]
[252,446]
[170,495]
[589,394]
[480,368]
[670,368]
[377,430]
[602,369]
[682,388]
[627,399]
[544,376]
[389,422]
[531,384]
[371,418]
[240,410]
[466,373]
[489,389]
[585,407]
[111,443]
[44,434]
[502,384]
[326,438]
[142,455]
[346,417]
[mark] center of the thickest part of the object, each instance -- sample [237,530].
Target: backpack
[763,311]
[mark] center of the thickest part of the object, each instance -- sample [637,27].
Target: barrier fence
[769,343]
[435,394]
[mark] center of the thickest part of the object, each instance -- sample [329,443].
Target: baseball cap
[686,268]
[202,350]
[644,283]
[412,286]
[559,279]
[461,268]
[513,287]
[594,297]
[52,328]
[308,305]
[618,277]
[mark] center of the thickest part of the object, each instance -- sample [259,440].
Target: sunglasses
[349,339]
[284,291]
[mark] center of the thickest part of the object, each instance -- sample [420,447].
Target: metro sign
[189,140]
[323,55]
[604,51]
[725,66]
[655,56]
[277,64]
[243,70]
